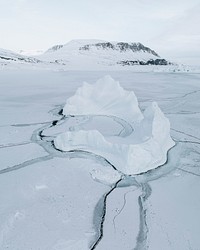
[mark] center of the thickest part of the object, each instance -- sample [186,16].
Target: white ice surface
[15,135]
[173,215]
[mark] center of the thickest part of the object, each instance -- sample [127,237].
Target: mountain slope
[7,56]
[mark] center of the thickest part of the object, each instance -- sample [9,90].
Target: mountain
[86,53]
[7,56]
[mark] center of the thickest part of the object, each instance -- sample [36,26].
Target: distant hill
[97,52]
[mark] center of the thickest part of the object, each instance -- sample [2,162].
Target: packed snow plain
[80,199]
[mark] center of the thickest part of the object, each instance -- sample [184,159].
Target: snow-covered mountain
[86,53]
[7,56]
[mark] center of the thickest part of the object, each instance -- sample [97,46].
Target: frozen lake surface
[54,200]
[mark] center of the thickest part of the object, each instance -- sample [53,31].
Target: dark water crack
[143,230]
[171,98]
[190,93]
[101,226]
[182,113]
[10,145]
[26,163]
[190,142]
[189,172]
[181,132]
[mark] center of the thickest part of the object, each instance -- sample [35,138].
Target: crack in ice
[26,163]
[143,230]
[105,197]
[189,172]
[10,145]
[181,132]
[122,208]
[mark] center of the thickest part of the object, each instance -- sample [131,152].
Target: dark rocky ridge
[23,59]
[121,46]
[149,62]
[55,48]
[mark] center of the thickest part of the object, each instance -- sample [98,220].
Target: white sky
[170,27]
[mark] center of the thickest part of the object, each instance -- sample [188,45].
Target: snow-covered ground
[55,200]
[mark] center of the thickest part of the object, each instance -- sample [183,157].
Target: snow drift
[146,148]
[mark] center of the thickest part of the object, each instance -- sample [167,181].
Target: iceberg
[105,97]
[144,149]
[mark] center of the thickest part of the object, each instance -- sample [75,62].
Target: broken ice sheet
[53,206]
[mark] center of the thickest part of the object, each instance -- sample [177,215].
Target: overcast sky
[170,27]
